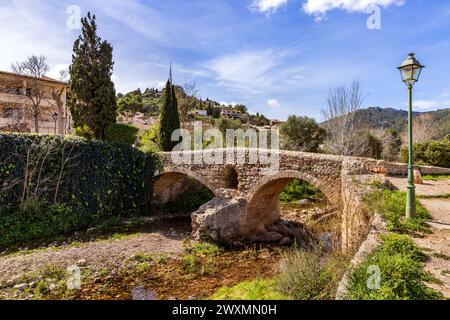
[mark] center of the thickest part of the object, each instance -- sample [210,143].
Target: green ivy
[76,183]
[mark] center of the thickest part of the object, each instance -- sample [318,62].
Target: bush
[311,276]
[122,133]
[433,153]
[51,185]
[391,205]
[402,277]
[298,190]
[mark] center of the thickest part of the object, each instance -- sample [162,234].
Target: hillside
[380,118]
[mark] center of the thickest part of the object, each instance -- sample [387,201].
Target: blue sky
[279,57]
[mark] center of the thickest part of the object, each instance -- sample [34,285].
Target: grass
[259,289]
[441,256]
[400,263]
[440,196]
[203,249]
[436,177]
[200,259]
[391,205]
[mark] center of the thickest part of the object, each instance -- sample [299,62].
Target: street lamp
[55,119]
[410,71]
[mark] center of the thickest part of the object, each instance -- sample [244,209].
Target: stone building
[24,109]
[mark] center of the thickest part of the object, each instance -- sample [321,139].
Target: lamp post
[55,119]
[410,71]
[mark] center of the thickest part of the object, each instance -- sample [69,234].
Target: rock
[305,201]
[286,241]
[32,284]
[254,238]
[272,236]
[52,287]
[238,244]
[81,263]
[21,287]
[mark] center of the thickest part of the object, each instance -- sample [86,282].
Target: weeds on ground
[260,289]
[391,205]
[402,277]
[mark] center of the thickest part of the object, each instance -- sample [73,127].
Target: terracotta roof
[47,79]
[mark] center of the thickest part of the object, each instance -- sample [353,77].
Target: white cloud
[320,7]
[431,104]
[273,103]
[254,71]
[268,6]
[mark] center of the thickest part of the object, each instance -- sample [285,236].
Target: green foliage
[392,144]
[203,249]
[190,200]
[224,124]
[433,153]
[131,103]
[298,190]
[436,177]
[302,134]
[169,118]
[84,132]
[374,147]
[190,263]
[391,205]
[92,99]
[148,141]
[51,185]
[258,290]
[122,133]
[308,276]
[402,277]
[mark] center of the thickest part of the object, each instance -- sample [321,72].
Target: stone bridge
[247,192]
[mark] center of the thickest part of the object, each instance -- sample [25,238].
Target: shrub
[250,290]
[298,190]
[122,133]
[311,276]
[51,185]
[391,205]
[433,153]
[402,275]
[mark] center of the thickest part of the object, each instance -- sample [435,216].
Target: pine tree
[169,118]
[92,100]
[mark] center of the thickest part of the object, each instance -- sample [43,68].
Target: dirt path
[97,255]
[436,244]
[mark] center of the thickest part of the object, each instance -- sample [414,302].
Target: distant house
[202,113]
[16,109]
[231,113]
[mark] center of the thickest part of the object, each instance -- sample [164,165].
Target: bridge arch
[171,182]
[263,199]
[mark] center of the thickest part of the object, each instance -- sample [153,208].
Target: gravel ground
[429,188]
[97,255]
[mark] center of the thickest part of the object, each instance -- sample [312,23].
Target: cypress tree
[92,99]
[169,118]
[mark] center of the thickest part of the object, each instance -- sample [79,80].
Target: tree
[424,128]
[187,97]
[169,118]
[130,104]
[341,120]
[302,134]
[373,147]
[392,144]
[36,68]
[92,99]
